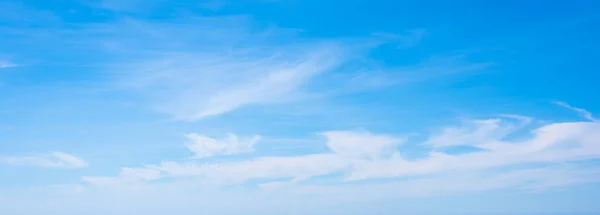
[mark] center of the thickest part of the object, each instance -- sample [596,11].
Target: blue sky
[299,107]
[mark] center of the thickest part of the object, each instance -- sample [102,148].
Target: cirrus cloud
[50,160]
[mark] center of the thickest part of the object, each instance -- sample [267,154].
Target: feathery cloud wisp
[6,64]
[198,67]
[50,160]
[582,112]
[203,146]
[215,66]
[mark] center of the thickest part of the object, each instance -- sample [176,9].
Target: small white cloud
[203,146]
[50,160]
[582,112]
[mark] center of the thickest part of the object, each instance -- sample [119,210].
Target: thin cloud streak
[49,160]
[6,64]
[582,112]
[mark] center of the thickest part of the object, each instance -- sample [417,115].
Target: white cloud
[126,176]
[203,146]
[197,67]
[6,64]
[51,160]
[361,155]
[346,147]
[550,144]
[477,132]
[193,196]
[361,144]
[550,156]
[582,112]
[281,81]
[207,66]
[533,179]
[194,67]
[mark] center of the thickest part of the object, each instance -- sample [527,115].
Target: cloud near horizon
[361,155]
[359,166]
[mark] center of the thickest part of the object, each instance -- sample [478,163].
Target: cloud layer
[542,152]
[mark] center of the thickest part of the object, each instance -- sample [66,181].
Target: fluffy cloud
[52,160]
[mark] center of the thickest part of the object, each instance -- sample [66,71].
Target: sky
[265,107]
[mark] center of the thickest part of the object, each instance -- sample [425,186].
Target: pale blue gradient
[76,77]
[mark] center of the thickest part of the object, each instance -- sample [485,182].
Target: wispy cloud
[212,71]
[187,195]
[554,143]
[361,156]
[203,146]
[50,160]
[475,132]
[533,179]
[206,66]
[196,67]
[582,112]
[407,39]
[6,64]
